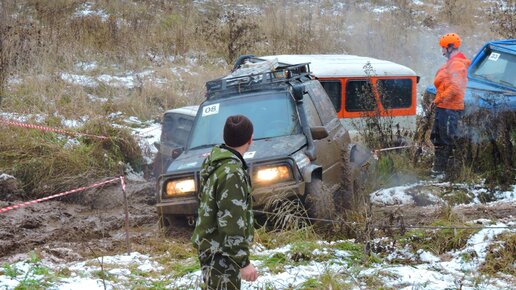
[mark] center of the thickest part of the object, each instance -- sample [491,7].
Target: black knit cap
[237,130]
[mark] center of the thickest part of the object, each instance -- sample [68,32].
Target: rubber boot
[440,160]
[449,162]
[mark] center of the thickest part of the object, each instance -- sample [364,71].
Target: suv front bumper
[187,206]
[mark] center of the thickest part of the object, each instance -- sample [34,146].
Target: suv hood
[490,96]
[264,149]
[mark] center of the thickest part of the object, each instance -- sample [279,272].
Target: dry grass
[45,38]
[501,256]
[46,163]
[443,240]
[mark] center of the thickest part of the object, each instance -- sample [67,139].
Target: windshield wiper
[483,77]
[506,83]
[202,146]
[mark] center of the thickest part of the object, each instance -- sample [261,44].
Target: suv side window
[311,112]
[359,96]
[395,94]
[334,91]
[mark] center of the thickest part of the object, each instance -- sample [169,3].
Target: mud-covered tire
[357,196]
[319,202]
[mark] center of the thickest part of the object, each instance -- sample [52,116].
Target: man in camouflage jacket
[224,227]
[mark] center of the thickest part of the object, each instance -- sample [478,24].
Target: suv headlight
[180,187]
[270,174]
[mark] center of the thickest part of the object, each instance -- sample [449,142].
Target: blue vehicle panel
[491,78]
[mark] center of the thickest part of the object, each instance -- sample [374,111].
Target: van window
[334,91]
[395,94]
[359,96]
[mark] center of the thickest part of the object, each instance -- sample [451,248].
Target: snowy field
[332,260]
[299,265]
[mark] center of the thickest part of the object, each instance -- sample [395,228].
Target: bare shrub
[230,32]
[502,15]
[291,30]
[458,12]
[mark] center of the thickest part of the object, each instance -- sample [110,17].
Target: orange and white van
[362,88]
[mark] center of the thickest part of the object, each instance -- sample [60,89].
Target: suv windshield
[272,114]
[498,67]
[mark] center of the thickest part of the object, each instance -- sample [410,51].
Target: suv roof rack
[257,74]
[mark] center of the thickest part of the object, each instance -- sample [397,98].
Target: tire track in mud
[90,223]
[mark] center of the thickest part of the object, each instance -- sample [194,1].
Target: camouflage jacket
[225,218]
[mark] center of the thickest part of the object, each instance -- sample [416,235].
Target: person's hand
[249,273]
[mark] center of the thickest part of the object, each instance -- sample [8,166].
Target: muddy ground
[92,223]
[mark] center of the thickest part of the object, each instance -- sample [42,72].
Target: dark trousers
[444,136]
[218,272]
[445,128]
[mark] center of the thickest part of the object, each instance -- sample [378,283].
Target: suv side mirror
[176,152]
[319,132]
[298,90]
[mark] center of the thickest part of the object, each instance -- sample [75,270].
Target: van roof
[344,65]
[188,110]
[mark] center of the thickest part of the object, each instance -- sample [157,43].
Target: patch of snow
[271,252]
[23,117]
[131,175]
[86,66]
[80,80]
[118,82]
[380,10]
[71,142]
[392,196]
[146,138]
[405,194]
[14,80]
[5,176]
[97,99]
[86,9]
[82,283]
[428,257]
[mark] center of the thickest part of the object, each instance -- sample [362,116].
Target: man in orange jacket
[450,81]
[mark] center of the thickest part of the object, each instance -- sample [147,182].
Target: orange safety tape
[43,128]
[16,206]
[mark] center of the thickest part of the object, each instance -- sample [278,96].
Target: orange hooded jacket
[450,81]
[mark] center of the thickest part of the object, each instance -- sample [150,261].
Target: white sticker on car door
[249,154]
[210,110]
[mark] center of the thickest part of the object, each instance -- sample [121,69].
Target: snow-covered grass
[301,265]
[435,192]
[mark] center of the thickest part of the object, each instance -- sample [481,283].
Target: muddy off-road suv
[300,150]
